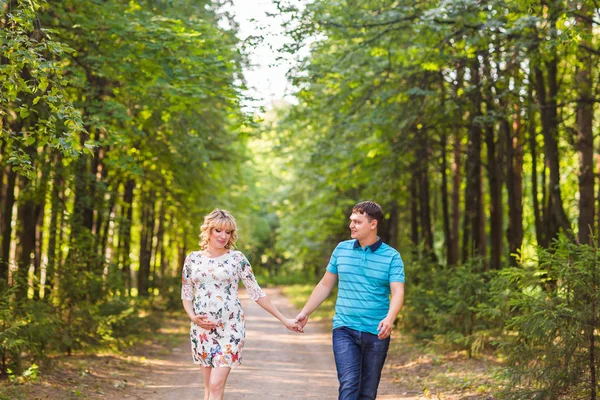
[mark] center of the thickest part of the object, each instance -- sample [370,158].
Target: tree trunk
[7,213]
[496,209]
[540,234]
[146,243]
[456,172]
[163,259]
[585,137]
[125,233]
[494,165]
[158,249]
[104,235]
[40,210]
[474,240]
[182,254]
[414,211]
[555,216]
[456,181]
[101,210]
[514,183]
[26,222]
[424,196]
[450,256]
[2,187]
[392,224]
[56,211]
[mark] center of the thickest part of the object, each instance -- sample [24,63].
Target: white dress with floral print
[212,285]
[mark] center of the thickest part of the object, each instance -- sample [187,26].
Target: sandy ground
[277,364]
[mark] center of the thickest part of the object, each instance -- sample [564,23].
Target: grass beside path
[419,370]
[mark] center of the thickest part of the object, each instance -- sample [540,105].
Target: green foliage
[459,317]
[10,327]
[34,100]
[40,329]
[553,336]
[29,375]
[171,294]
[458,308]
[122,320]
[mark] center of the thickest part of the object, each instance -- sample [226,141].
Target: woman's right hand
[203,322]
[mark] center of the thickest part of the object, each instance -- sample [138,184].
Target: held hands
[203,322]
[301,320]
[292,325]
[385,328]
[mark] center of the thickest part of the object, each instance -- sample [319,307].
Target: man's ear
[374,224]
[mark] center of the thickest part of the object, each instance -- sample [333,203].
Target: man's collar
[373,247]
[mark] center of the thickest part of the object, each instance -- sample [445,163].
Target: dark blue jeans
[359,358]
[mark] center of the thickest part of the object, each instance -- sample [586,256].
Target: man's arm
[386,325]
[318,296]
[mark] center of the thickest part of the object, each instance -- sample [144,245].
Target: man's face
[360,226]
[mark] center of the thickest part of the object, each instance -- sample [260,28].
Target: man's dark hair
[371,209]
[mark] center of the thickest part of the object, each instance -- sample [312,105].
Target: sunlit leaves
[33,88]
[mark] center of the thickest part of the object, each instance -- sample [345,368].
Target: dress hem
[232,366]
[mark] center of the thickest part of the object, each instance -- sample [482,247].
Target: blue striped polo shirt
[364,276]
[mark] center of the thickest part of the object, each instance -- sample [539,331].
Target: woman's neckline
[214,258]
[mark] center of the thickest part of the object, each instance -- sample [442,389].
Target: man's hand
[385,328]
[203,322]
[301,320]
[292,325]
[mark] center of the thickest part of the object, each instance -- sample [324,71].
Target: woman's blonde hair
[218,219]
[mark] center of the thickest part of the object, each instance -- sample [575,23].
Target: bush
[552,346]
[457,307]
[462,319]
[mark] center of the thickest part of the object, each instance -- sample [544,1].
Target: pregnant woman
[209,294]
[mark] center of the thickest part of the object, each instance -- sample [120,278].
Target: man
[367,270]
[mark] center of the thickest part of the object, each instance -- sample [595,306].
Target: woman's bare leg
[206,375]
[218,378]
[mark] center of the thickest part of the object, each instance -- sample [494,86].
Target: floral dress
[212,285]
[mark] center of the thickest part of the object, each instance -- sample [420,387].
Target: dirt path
[278,364]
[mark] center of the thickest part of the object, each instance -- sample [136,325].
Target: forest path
[277,363]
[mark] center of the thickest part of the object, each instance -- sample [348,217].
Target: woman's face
[219,238]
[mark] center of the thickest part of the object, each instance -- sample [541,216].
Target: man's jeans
[359,358]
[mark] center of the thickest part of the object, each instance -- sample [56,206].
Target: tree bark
[540,234]
[414,211]
[456,181]
[2,187]
[496,209]
[514,183]
[474,238]
[7,213]
[555,216]
[422,155]
[56,210]
[125,233]
[158,249]
[450,256]
[146,237]
[25,245]
[585,137]
[40,211]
